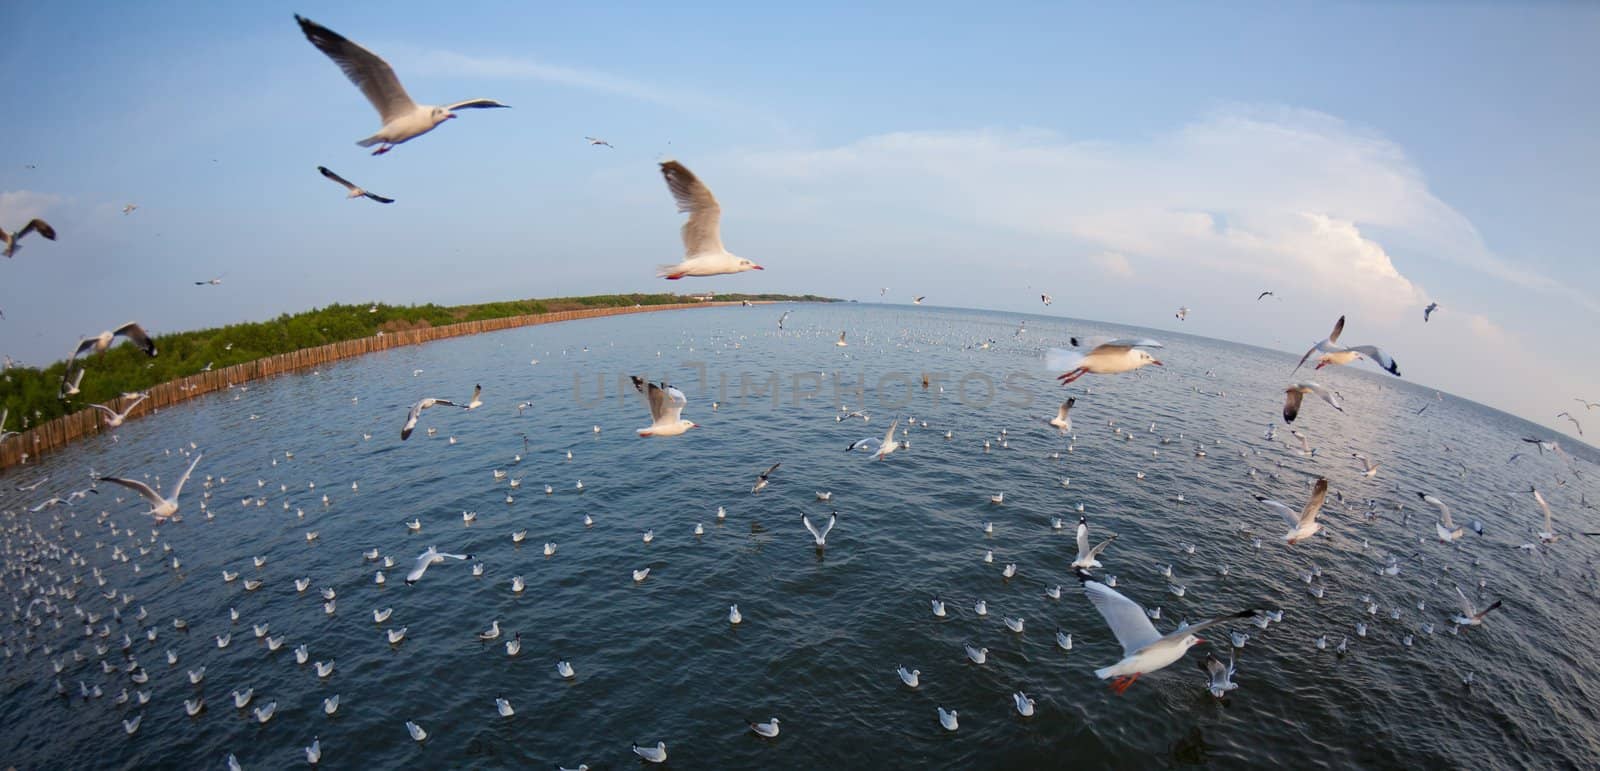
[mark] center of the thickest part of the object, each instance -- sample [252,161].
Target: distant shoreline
[62,431]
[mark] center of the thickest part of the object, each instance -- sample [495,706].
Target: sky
[1357,159]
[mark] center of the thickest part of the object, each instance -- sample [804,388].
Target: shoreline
[59,432]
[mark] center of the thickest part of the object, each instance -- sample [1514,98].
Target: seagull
[1046,299]
[761,480]
[1368,467]
[493,632]
[768,729]
[976,655]
[1574,420]
[918,300]
[910,678]
[355,192]
[416,413]
[1297,391]
[1063,420]
[1428,311]
[101,342]
[416,731]
[1088,558]
[1264,294]
[598,142]
[503,707]
[1144,649]
[948,719]
[821,537]
[656,754]
[1548,534]
[314,752]
[1105,357]
[34,226]
[704,254]
[1182,314]
[1302,524]
[113,417]
[403,119]
[1445,527]
[1024,704]
[1470,615]
[564,668]
[263,714]
[666,406]
[475,402]
[430,557]
[217,281]
[1220,675]
[1332,353]
[162,508]
[888,443]
[841,343]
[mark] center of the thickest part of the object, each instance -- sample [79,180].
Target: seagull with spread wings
[35,225]
[1105,357]
[1303,523]
[1143,648]
[1333,354]
[416,414]
[703,253]
[101,342]
[163,508]
[666,407]
[403,119]
[355,192]
[115,418]
[1297,391]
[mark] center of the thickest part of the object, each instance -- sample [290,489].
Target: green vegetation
[31,394]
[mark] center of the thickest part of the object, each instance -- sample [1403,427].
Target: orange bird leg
[1120,685]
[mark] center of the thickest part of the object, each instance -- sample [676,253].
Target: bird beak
[757,267]
[1199,641]
[449,115]
[1157,362]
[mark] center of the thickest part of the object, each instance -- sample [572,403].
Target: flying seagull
[416,412]
[1046,299]
[1088,558]
[598,142]
[210,282]
[1182,314]
[99,343]
[162,508]
[1445,528]
[1303,523]
[1574,420]
[34,226]
[703,253]
[666,406]
[1297,391]
[1428,311]
[761,481]
[1264,294]
[781,318]
[355,192]
[918,300]
[1470,615]
[1063,419]
[1333,353]
[820,536]
[1105,357]
[403,119]
[888,444]
[115,418]
[1143,648]
[430,557]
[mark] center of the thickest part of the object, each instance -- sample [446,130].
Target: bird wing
[1206,624]
[139,487]
[769,471]
[423,561]
[1318,495]
[335,177]
[1126,619]
[106,410]
[134,332]
[1383,359]
[701,233]
[376,197]
[178,488]
[1292,397]
[1545,507]
[411,419]
[1338,329]
[888,436]
[1100,547]
[1467,607]
[127,408]
[474,104]
[37,226]
[1066,407]
[365,69]
[1083,540]
[1290,516]
[1444,510]
[1329,396]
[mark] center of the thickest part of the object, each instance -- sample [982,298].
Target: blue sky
[1356,158]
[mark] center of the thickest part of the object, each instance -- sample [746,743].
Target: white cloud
[1113,264]
[19,206]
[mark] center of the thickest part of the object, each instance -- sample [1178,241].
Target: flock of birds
[44,573]
[48,588]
